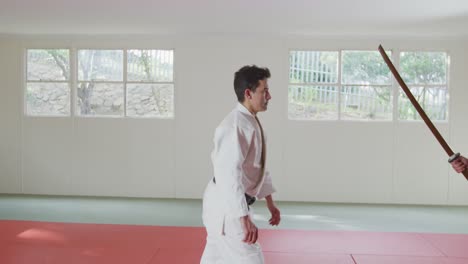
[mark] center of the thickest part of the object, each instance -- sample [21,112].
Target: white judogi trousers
[224,243]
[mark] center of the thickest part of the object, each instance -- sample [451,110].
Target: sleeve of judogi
[267,187]
[231,146]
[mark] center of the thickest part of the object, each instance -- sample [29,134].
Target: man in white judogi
[240,176]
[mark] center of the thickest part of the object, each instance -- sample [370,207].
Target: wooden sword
[452,156]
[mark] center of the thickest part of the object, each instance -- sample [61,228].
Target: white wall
[365,162]
[10,117]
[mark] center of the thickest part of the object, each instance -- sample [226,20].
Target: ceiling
[285,17]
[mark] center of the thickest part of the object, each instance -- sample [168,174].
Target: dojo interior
[118,186]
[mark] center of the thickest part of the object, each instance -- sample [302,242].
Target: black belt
[249,199]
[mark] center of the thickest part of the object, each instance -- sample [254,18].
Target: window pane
[313,67]
[150,100]
[150,65]
[100,65]
[100,99]
[364,67]
[48,64]
[48,99]
[434,101]
[366,103]
[424,67]
[313,102]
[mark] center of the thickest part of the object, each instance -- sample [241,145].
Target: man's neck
[249,107]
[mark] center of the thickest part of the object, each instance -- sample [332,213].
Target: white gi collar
[244,110]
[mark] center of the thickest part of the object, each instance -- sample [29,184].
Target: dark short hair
[248,77]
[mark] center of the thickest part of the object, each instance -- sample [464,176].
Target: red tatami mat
[53,243]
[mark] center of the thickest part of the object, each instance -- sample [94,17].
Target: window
[357,85]
[150,87]
[425,74]
[100,88]
[109,83]
[366,91]
[48,82]
[313,85]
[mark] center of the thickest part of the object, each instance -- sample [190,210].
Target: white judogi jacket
[237,164]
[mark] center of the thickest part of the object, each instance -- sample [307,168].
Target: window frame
[393,86]
[73,82]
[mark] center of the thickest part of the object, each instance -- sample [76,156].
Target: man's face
[261,96]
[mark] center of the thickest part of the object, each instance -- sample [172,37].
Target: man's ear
[248,93]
